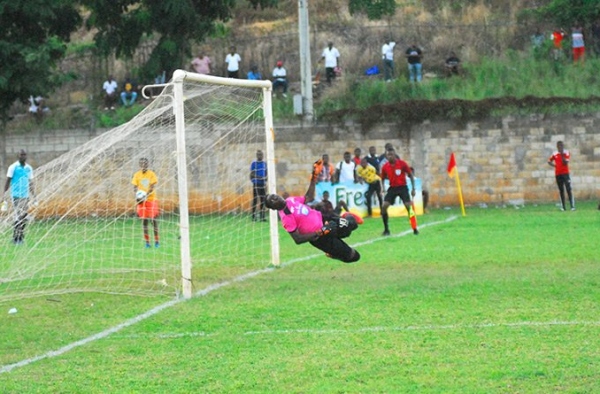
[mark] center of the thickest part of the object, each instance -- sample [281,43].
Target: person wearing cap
[280,78]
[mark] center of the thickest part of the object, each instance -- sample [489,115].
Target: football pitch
[503,300]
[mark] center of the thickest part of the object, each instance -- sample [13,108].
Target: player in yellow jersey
[369,174]
[147,208]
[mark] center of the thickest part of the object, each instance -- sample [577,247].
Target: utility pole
[305,64]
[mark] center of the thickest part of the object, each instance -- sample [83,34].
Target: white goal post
[179,77]
[84,235]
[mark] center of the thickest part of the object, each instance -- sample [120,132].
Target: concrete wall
[500,160]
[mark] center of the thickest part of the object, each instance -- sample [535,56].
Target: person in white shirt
[345,170]
[280,78]
[110,93]
[387,54]
[233,63]
[332,60]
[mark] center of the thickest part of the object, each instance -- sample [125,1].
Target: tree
[374,9]
[567,13]
[123,24]
[33,37]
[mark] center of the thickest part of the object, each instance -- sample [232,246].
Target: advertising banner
[354,195]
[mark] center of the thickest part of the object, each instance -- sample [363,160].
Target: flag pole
[460,197]
[453,172]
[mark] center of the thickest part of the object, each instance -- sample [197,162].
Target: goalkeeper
[305,224]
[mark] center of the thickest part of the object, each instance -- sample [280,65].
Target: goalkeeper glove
[328,228]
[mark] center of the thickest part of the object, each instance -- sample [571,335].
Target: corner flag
[452,170]
[451,165]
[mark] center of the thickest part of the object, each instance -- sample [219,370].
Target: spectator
[356,159]
[414,55]
[387,54]
[557,38]
[233,63]
[324,169]
[560,161]
[596,37]
[331,56]
[345,171]
[537,39]
[258,177]
[326,207]
[129,93]
[110,93]
[578,44]
[254,74]
[201,64]
[369,174]
[452,64]
[373,159]
[280,78]
[37,107]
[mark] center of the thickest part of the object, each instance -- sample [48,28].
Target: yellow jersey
[368,173]
[143,181]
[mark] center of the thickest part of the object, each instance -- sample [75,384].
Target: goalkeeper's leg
[145,230]
[336,249]
[156,238]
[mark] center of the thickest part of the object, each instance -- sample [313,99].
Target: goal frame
[179,77]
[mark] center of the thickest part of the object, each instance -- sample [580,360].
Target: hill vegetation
[492,38]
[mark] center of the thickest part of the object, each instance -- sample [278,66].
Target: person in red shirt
[396,171]
[560,161]
[356,159]
[557,37]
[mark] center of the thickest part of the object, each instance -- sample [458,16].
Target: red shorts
[148,209]
[578,53]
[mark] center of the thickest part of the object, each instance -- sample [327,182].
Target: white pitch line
[430,327]
[160,308]
[376,329]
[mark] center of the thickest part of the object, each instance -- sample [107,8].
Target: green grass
[502,300]
[515,75]
[108,254]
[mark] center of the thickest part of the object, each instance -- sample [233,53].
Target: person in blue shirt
[254,73]
[19,179]
[258,177]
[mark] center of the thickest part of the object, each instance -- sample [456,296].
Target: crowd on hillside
[126,92]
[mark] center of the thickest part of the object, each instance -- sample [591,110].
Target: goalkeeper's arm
[310,193]
[302,238]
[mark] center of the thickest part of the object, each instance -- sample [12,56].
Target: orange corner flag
[451,165]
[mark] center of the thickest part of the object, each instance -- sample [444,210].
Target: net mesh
[84,234]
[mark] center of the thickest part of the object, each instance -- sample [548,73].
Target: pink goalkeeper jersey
[301,217]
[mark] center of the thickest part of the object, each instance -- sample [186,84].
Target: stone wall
[500,160]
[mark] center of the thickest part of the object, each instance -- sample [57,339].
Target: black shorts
[336,248]
[397,191]
[332,243]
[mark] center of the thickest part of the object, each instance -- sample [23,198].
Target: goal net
[199,137]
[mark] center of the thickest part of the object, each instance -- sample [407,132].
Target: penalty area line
[154,311]
[429,327]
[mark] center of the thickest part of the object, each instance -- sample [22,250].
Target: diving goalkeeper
[306,224]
